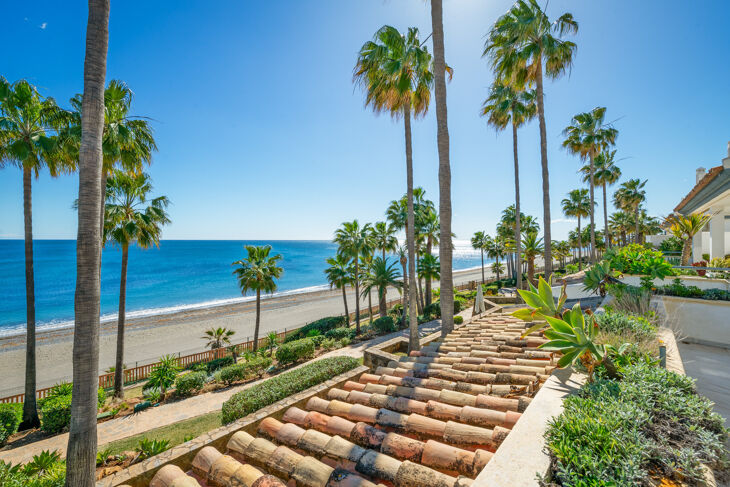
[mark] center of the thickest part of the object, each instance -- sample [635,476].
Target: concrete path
[166,414]
[710,366]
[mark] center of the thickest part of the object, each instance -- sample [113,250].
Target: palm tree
[338,275]
[381,276]
[507,105]
[354,241]
[395,71]
[496,249]
[685,228]
[82,442]
[522,44]
[606,173]
[218,337]
[130,219]
[497,268]
[578,205]
[258,272]
[128,142]
[442,141]
[629,197]
[562,250]
[588,136]
[402,253]
[429,269]
[366,261]
[621,224]
[648,225]
[383,237]
[534,247]
[479,241]
[26,118]
[428,228]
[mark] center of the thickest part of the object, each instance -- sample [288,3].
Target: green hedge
[56,411]
[190,383]
[623,432]
[219,363]
[323,325]
[340,333]
[458,319]
[294,351]
[252,368]
[384,324]
[10,416]
[284,385]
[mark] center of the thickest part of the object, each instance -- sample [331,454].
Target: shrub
[340,333]
[56,411]
[284,385]
[459,304]
[295,351]
[313,333]
[61,389]
[190,383]
[671,244]
[637,259]
[255,367]
[10,416]
[150,448]
[345,341]
[322,325]
[621,323]
[384,324]
[716,295]
[571,268]
[458,319]
[433,309]
[317,339]
[328,343]
[219,363]
[163,374]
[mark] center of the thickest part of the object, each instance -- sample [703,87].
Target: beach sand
[146,339]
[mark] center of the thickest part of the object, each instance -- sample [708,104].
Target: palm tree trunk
[405,294]
[545,174]
[81,451]
[429,248]
[580,247]
[531,270]
[30,410]
[382,306]
[445,251]
[119,366]
[344,298]
[482,266]
[606,236]
[413,340]
[593,208]
[686,248]
[258,321]
[636,220]
[420,295]
[104,176]
[370,306]
[357,294]
[518,236]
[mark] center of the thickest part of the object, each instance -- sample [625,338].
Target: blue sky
[262,134]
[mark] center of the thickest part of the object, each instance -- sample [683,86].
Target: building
[711,194]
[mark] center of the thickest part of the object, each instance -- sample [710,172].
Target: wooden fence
[106,381]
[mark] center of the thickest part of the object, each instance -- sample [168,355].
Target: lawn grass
[175,432]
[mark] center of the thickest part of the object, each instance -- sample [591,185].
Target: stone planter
[696,320]
[700,282]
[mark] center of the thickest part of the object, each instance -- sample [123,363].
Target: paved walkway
[711,367]
[117,429]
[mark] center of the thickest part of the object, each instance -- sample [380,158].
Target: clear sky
[263,136]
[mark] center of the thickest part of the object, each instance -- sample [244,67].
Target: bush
[45,470]
[622,323]
[322,325]
[56,411]
[190,383]
[384,324]
[219,363]
[10,416]
[458,319]
[328,344]
[345,341]
[622,433]
[459,304]
[295,351]
[637,259]
[255,367]
[571,268]
[284,385]
[433,309]
[317,339]
[340,333]
[671,244]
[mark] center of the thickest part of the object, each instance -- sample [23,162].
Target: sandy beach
[148,338]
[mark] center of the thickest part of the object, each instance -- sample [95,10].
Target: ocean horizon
[179,275]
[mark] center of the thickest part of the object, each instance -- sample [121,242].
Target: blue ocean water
[179,274]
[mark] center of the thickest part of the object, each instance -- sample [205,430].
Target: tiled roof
[706,179]
[434,418]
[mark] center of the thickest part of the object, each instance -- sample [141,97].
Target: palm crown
[588,134]
[577,203]
[507,105]
[605,170]
[259,270]
[383,237]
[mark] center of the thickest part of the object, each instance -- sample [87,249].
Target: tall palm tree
[685,228]
[496,249]
[629,197]
[338,275]
[562,250]
[621,224]
[577,204]
[258,272]
[605,173]
[381,276]
[402,253]
[366,263]
[354,241]
[648,225]
[588,135]
[479,242]
[383,237]
[128,141]
[533,248]
[442,141]
[523,44]
[218,337]
[26,122]
[429,269]
[131,218]
[507,105]
[82,442]
[429,229]
[396,72]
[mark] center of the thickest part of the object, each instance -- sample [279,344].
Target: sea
[178,275]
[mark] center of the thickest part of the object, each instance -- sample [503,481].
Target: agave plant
[42,463]
[571,332]
[150,448]
[598,276]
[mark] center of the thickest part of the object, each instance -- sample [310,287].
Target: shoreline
[149,337]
